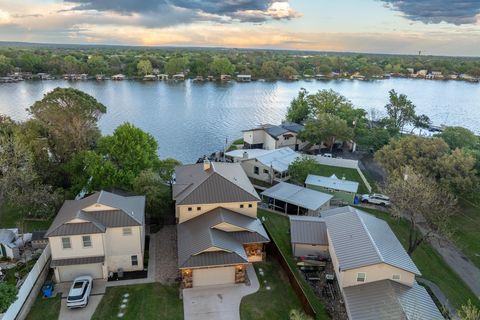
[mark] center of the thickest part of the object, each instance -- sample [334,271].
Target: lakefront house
[100,234]
[218,233]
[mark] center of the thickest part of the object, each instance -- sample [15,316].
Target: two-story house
[374,272]
[218,233]
[270,137]
[99,234]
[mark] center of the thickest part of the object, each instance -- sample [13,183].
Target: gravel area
[166,254]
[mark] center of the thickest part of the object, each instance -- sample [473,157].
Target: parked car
[376,198]
[327,155]
[79,292]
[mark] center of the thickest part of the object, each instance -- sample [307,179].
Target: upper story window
[256,170]
[250,205]
[241,206]
[361,276]
[199,208]
[127,231]
[396,277]
[66,243]
[189,209]
[87,241]
[265,171]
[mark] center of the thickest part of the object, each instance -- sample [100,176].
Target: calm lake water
[190,119]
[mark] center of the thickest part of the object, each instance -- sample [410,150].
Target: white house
[101,233]
[270,137]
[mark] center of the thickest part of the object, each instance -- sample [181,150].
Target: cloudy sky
[442,27]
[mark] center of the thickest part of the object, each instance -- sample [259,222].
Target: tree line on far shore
[266,64]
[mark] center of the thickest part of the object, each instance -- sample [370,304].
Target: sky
[432,27]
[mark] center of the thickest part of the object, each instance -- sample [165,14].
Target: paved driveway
[98,290]
[218,302]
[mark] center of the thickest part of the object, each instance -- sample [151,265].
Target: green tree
[269,69]
[97,65]
[8,295]
[419,198]
[400,110]
[69,118]
[71,65]
[288,72]
[144,67]
[299,109]
[301,168]
[119,158]
[221,65]
[176,65]
[459,137]
[5,65]
[297,314]
[371,71]
[327,128]
[166,169]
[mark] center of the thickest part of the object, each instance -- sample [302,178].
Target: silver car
[376,198]
[79,292]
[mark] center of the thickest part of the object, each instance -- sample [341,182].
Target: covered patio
[292,199]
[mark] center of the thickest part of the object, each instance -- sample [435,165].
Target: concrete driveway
[98,290]
[218,302]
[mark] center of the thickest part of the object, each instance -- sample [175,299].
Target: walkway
[440,296]
[165,243]
[218,302]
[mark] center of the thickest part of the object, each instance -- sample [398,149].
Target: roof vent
[207,164]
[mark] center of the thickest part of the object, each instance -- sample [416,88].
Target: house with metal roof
[270,137]
[292,199]
[101,233]
[265,165]
[218,233]
[341,189]
[373,270]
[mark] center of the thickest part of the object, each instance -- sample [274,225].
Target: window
[256,170]
[189,208]
[396,277]
[199,208]
[87,241]
[134,261]
[265,171]
[241,206]
[66,243]
[361,276]
[250,205]
[127,231]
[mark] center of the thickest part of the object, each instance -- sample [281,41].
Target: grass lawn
[146,301]
[278,227]
[260,183]
[11,217]
[238,141]
[466,226]
[275,303]
[45,308]
[431,264]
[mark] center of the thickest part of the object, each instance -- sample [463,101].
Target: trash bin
[47,290]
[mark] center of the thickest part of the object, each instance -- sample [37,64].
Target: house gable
[228,227]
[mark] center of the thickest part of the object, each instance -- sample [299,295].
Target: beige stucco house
[270,137]
[218,233]
[101,233]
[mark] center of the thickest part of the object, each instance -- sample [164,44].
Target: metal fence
[25,291]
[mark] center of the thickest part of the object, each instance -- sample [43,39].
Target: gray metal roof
[332,182]
[299,196]
[279,159]
[76,228]
[6,236]
[218,258]
[360,239]
[388,299]
[130,210]
[199,234]
[308,230]
[223,182]
[38,235]
[76,261]
[277,130]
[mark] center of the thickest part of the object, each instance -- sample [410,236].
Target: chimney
[245,155]
[206,165]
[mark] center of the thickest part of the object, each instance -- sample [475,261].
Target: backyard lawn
[145,301]
[431,264]
[275,303]
[278,227]
[12,218]
[466,227]
[45,308]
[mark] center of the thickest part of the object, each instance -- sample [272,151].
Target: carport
[293,199]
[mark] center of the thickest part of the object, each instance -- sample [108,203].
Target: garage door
[68,273]
[213,276]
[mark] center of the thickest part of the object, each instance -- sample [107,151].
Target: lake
[190,119]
